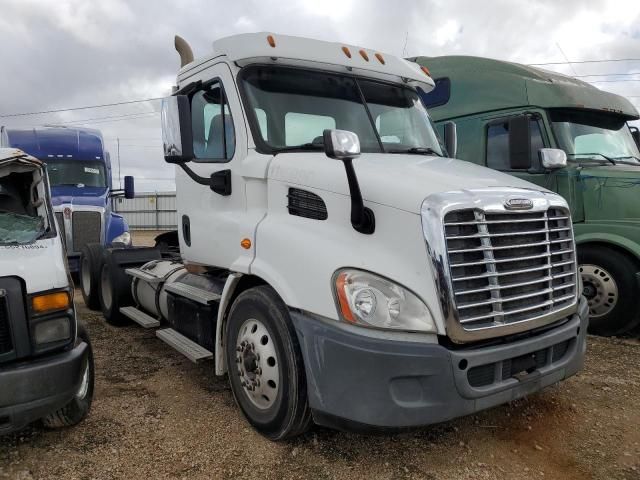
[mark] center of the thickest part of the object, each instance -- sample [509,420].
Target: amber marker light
[347,52]
[364,55]
[380,58]
[271,41]
[245,243]
[50,301]
[342,298]
[425,70]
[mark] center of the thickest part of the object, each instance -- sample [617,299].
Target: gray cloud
[69,53]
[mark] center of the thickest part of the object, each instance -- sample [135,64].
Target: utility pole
[119,175]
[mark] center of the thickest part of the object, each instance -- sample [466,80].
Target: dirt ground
[157,415]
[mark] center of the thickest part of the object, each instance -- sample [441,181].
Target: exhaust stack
[184,50]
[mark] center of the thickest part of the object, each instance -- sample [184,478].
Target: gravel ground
[157,415]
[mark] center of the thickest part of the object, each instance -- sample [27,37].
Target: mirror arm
[362,218]
[194,176]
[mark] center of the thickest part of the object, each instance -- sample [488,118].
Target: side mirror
[341,144]
[129,187]
[451,139]
[177,138]
[552,158]
[520,142]
[635,133]
[344,145]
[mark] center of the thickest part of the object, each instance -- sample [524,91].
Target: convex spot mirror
[552,158]
[341,144]
[177,139]
[129,187]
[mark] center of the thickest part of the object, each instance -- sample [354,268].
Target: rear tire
[610,285]
[89,274]
[78,408]
[272,391]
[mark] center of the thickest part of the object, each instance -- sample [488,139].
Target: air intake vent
[306,204]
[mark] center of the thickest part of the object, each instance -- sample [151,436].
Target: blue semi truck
[81,186]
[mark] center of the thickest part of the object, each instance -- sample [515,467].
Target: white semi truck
[332,260]
[46,361]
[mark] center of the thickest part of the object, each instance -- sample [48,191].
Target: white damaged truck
[330,257]
[46,361]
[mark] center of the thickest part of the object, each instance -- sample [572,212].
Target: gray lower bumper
[32,389]
[355,380]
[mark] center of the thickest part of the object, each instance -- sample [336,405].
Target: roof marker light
[271,41]
[364,55]
[346,52]
[425,70]
[380,58]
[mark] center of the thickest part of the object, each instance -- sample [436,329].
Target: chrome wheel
[105,284]
[84,384]
[85,276]
[600,289]
[257,364]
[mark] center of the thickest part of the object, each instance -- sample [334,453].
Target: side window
[498,144]
[301,128]
[212,125]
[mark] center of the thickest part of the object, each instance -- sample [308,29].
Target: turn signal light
[50,302]
[345,309]
[245,243]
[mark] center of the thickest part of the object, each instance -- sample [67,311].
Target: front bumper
[360,382]
[31,389]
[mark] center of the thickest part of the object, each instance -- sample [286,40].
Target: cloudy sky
[70,53]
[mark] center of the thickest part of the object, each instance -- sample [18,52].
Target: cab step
[185,346]
[196,294]
[141,318]
[143,275]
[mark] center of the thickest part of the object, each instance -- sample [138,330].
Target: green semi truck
[565,135]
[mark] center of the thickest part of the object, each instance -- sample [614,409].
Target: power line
[607,75]
[108,117]
[585,61]
[80,108]
[72,123]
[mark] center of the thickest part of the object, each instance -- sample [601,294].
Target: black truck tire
[266,369]
[78,408]
[610,284]
[90,266]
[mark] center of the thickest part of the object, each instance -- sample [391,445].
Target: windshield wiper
[609,159]
[304,147]
[418,151]
[627,156]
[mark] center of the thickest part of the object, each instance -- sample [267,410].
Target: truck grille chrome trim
[84,225]
[500,271]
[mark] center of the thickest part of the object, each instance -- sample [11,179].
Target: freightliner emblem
[518,204]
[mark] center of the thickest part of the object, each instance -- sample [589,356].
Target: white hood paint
[395,180]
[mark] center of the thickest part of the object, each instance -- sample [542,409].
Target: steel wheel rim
[84,384]
[257,364]
[600,289]
[107,296]
[85,275]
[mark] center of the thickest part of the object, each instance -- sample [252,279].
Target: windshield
[21,222]
[291,108]
[19,229]
[594,136]
[81,173]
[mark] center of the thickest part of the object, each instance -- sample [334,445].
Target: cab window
[212,125]
[498,144]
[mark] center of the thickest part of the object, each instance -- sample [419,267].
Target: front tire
[266,370]
[115,291]
[78,408]
[610,285]
[90,267]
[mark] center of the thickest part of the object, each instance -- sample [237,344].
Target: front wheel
[266,370]
[78,408]
[90,267]
[609,282]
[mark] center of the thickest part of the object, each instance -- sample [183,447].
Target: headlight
[124,238]
[53,330]
[366,299]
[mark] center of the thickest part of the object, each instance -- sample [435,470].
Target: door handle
[221,182]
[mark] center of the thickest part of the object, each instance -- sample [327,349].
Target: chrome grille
[86,228]
[509,267]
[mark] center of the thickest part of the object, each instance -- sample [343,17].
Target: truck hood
[93,196]
[610,192]
[396,180]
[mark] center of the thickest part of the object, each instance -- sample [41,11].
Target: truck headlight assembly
[54,330]
[124,238]
[363,298]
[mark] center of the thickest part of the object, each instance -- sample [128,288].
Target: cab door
[211,219]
